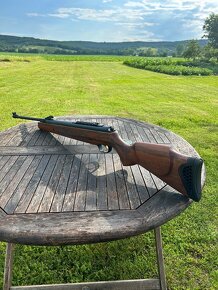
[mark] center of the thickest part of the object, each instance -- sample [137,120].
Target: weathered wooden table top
[55,190]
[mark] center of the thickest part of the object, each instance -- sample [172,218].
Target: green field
[186,105]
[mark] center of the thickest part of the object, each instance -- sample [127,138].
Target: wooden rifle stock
[181,172]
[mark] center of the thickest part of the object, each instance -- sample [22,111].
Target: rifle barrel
[16,116]
[79,124]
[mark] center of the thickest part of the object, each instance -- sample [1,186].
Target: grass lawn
[186,105]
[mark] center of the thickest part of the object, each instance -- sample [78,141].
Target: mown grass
[186,105]
[53,57]
[86,57]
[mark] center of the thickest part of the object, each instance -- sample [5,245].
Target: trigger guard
[101,148]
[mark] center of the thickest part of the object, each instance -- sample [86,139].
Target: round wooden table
[56,191]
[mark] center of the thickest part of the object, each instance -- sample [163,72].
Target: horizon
[25,36]
[106,20]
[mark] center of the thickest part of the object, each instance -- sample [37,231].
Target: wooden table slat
[38,194]
[15,181]
[48,138]
[32,186]
[121,185]
[122,130]
[156,136]
[60,192]
[41,139]
[135,133]
[158,182]
[91,196]
[49,193]
[27,137]
[7,137]
[102,201]
[20,190]
[35,135]
[112,195]
[163,137]
[7,164]
[80,198]
[3,161]
[17,138]
[149,181]
[8,177]
[69,199]
[140,184]
[149,135]
[134,199]
[142,134]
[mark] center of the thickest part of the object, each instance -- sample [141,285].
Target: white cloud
[143,36]
[194,26]
[59,15]
[134,4]
[161,6]
[116,14]
[134,25]
[182,5]
[136,10]
[33,14]
[142,19]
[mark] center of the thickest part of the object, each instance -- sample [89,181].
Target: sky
[106,20]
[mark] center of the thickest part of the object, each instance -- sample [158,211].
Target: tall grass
[168,66]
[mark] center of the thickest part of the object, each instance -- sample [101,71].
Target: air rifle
[181,172]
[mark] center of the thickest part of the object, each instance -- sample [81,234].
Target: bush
[168,66]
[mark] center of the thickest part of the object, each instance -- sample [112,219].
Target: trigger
[109,149]
[104,148]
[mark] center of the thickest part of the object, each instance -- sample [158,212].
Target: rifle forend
[181,172]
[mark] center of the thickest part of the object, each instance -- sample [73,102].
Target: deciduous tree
[193,49]
[211,29]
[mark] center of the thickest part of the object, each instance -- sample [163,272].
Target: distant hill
[35,45]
